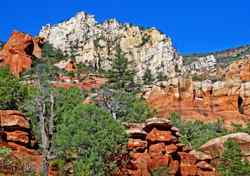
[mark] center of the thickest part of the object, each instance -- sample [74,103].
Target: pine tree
[121,76]
[232,162]
[147,77]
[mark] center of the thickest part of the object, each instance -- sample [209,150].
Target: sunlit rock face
[96,44]
[208,101]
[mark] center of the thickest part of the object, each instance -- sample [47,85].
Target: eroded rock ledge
[154,144]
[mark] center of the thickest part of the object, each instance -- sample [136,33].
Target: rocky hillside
[71,104]
[198,63]
[96,45]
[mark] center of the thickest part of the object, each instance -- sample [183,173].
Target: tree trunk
[41,107]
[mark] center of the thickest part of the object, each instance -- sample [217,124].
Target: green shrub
[93,135]
[198,78]
[239,128]
[51,54]
[148,77]
[124,106]
[196,133]
[12,91]
[232,162]
[162,171]
[4,152]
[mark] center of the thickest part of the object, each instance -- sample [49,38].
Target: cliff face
[95,44]
[228,99]
[18,51]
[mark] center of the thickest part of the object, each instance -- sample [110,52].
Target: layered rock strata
[228,99]
[154,145]
[16,135]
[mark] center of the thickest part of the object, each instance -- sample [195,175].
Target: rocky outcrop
[68,65]
[16,135]
[154,145]
[215,147]
[92,82]
[239,70]
[17,52]
[200,64]
[206,101]
[96,44]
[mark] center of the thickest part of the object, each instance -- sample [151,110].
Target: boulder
[160,136]
[215,147]
[19,137]
[17,53]
[136,144]
[204,166]
[156,150]
[188,170]
[136,133]
[157,123]
[158,162]
[201,156]
[11,118]
[187,158]
[172,148]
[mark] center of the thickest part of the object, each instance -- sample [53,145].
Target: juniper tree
[147,77]
[120,75]
[232,162]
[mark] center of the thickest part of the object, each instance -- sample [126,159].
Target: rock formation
[16,135]
[228,99]
[68,65]
[96,44]
[154,144]
[92,82]
[215,146]
[17,52]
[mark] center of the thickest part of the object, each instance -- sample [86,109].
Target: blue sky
[193,25]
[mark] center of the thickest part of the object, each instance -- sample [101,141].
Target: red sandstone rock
[68,65]
[160,136]
[38,43]
[204,166]
[137,144]
[157,123]
[173,167]
[201,156]
[92,83]
[187,158]
[158,162]
[156,150]
[10,118]
[161,151]
[140,161]
[136,133]
[18,137]
[215,147]
[239,70]
[24,155]
[171,148]
[17,52]
[206,173]
[188,170]
[220,103]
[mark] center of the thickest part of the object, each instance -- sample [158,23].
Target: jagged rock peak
[95,44]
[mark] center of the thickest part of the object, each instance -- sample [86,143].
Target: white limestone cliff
[95,44]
